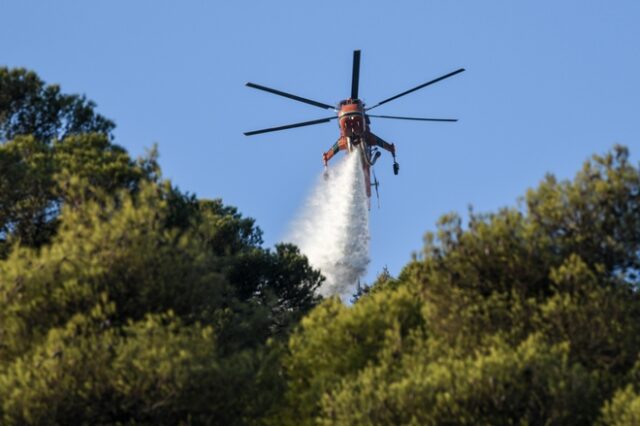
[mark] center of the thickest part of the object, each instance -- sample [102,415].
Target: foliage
[124,300]
[624,408]
[530,384]
[335,343]
[36,179]
[121,318]
[383,281]
[30,107]
[524,316]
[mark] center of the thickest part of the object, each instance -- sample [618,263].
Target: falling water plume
[332,229]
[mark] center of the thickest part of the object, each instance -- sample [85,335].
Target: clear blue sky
[548,83]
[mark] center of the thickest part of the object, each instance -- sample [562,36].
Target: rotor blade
[291,126]
[355,76]
[414,118]
[451,74]
[290,96]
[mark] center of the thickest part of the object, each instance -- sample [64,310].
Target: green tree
[35,181]
[623,409]
[499,384]
[335,343]
[122,318]
[528,315]
[28,106]
[122,299]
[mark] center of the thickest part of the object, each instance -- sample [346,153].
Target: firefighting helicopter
[353,120]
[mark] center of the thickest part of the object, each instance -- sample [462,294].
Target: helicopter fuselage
[355,135]
[352,120]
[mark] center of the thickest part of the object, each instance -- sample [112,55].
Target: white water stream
[332,229]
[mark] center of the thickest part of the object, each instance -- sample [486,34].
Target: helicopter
[354,121]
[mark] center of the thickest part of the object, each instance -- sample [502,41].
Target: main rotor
[355,80]
[355,75]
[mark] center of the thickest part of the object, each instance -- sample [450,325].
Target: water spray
[332,229]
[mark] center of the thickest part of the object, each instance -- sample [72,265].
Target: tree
[28,106]
[46,136]
[35,181]
[123,318]
[382,281]
[124,300]
[623,409]
[528,315]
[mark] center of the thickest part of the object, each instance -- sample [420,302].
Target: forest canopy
[124,300]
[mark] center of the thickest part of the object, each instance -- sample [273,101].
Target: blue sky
[548,83]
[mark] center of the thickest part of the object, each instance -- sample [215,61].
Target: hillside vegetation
[124,300]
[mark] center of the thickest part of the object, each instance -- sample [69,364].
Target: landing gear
[396,167]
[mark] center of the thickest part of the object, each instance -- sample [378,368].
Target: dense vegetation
[124,300]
